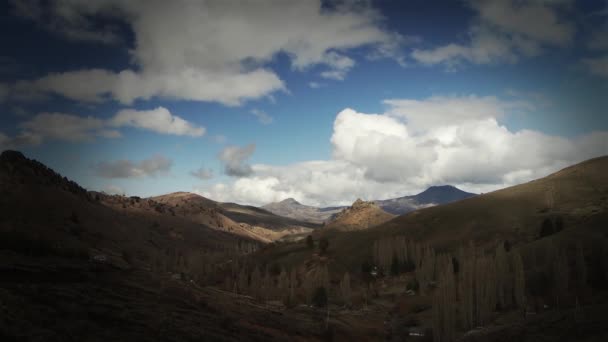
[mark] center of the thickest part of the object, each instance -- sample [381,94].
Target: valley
[525,263]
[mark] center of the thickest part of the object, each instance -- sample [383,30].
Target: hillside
[556,225]
[294,209]
[577,195]
[74,268]
[434,195]
[234,218]
[361,215]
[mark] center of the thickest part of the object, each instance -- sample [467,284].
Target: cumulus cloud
[212,50]
[235,160]
[154,166]
[158,120]
[409,148]
[202,173]
[66,127]
[262,116]
[503,31]
[74,128]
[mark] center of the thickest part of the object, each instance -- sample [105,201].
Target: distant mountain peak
[290,200]
[359,203]
[442,194]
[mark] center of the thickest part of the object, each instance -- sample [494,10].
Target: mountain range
[434,195]
[83,265]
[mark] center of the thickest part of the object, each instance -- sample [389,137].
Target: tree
[323,245]
[319,298]
[443,305]
[309,242]
[519,289]
[345,289]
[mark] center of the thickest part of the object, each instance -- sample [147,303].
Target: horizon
[320,101]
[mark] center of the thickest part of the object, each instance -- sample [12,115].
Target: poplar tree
[519,289]
[345,289]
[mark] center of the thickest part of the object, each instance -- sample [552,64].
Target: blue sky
[324,102]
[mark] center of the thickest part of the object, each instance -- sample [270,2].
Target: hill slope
[294,209]
[76,269]
[435,195]
[361,215]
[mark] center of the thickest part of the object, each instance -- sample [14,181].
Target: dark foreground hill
[75,269]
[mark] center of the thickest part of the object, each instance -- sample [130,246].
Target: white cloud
[214,50]
[74,128]
[262,116]
[409,148]
[59,126]
[202,173]
[158,120]
[154,166]
[441,110]
[339,66]
[235,160]
[315,85]
[502,32]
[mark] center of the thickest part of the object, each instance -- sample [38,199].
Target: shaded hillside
[294,209]
[41,207]
[260,217]
[76,269]
[361,215]
[253,223]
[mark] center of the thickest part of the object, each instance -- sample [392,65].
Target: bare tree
[345,289]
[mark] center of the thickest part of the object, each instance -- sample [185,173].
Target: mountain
[234,218]
[294,209]
[435,195]
[74,268]
[360,215]
[553,228]
[572,201]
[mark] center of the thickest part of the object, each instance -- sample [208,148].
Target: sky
[322,101]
